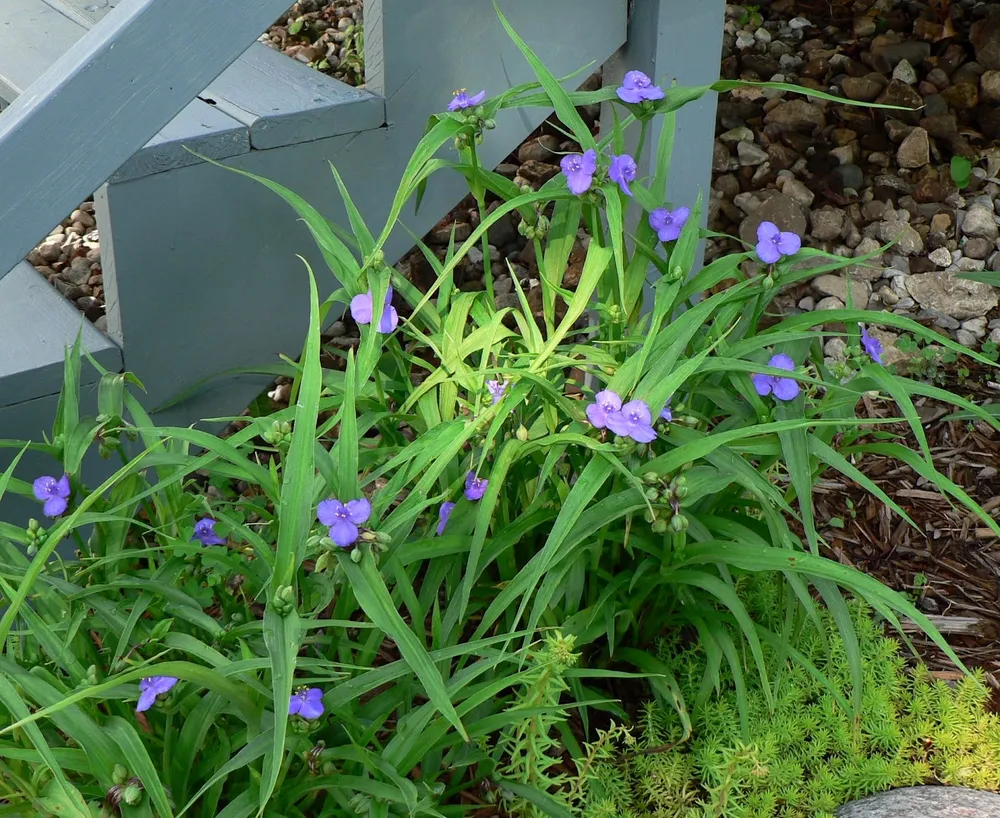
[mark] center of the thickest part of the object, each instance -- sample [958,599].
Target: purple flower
[461,100]
[772,243]
[873,346]
[475,487]
[669,223]
[362,311]
[781,388]
[633,420]
[637,87]
[307,703]
[666,414]
[497,388]
[343,520]
[204,532]
[579,169]
[622,171]
[54,492]
[444,513]
[605,403]
[150,688]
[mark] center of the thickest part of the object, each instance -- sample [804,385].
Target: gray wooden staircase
[200,267]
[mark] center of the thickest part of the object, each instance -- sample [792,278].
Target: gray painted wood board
[32,37]
[85,12]
[104,86]
[36,325]
[284,102]
[234,243]
[201,128]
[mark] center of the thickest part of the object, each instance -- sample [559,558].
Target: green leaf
[374,598]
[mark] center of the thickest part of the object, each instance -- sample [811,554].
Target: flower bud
[522,433]
[525,229]
[322,562]
[132,794]
[649,515]
[119,775]
[329,768]
[541,227]
[378,258]
[356,555]
[768,282]
[31,550]
[382,538]
[659,526]
[489,124]
[652,493]
[678,523]
[526,189]
[651,478]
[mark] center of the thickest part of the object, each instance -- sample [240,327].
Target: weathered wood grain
[105,87]
[32,37]
[85,12]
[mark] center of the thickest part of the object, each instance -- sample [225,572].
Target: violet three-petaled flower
[579,170]
[872,345]
[204,532]
[622,171]
[343,519]
[773,243]
[782,388]
[150,688]
[54,492]
[605,403]
[666,413]
[461,100]
[633,420]
[497,389]
[363,310]
[636,87]
[307,703]
[669,223]
[475,487]
[443,514]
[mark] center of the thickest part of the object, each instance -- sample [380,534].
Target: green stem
[479,191]
[642,140]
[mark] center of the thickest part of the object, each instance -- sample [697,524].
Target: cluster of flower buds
[36,536]
[538,230]
[279,435]
[126,791]
[669,494]
[284,600]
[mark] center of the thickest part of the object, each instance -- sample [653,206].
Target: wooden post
[676,40]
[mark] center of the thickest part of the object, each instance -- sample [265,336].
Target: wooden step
[36,326]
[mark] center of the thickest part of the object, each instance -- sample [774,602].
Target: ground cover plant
[387,598]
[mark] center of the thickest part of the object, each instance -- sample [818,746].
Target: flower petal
[767,252]
[789,244]
[344,533]
[597,416]
[578,182]
[766,231]
[146,700]
[762,383]
[782,361]
[619,424]
[42,487]
[327,510]
[589,161]
[642,433]
[312,704]
[389,320]
[786,388]
[444,513]
[637,409]
[630,95]
[54,506]
[361,308]
[358,511]
[475,99]
[62,486]
[606,398]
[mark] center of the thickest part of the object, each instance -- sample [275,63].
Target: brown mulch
[950,564]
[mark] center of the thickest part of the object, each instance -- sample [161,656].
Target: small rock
[970,265]
[978,247]
[979,221]
[745,40]
[956,297]
[337,329]
[836,285]
[915,150]
[84,218]
[750,154]
[861,89]
[78,271]
[831,302]
[941,257]
[799,23]
[908,240]
[51,250]
[851,175]
[835,348]
[827,223]
[102,323]
[808,303]
[966,338]
[541,149]
[989,82]
[985,37]
[963,96]
[903,95]
[538,173]
[941,222]
[904,72]
[796,115]
[782,210]
[720,158]
[798,191]
[741,133]
[977,326]
[894,51]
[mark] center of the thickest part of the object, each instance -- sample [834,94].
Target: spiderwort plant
[773,244]
[566,547]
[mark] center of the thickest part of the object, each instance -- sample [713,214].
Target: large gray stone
[782,210]
[957,297]
[925,802]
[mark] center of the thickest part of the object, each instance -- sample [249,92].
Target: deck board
[84,12]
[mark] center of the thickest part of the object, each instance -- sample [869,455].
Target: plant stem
[479,191]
